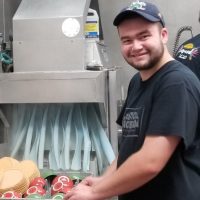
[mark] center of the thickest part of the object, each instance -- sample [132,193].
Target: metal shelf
[53,87]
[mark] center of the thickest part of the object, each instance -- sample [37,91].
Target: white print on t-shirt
[132,121]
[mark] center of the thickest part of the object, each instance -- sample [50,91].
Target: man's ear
[164,35]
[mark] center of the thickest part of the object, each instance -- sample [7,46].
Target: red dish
[11,195]
[38,181]
[60,187]
[64,179]
[35,190]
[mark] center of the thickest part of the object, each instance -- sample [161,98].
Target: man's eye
[126,41]
[143,37]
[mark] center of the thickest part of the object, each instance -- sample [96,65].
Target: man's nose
[136,45]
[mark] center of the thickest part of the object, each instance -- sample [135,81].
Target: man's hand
[81,192]
[91,180]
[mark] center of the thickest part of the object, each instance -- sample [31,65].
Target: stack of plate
[13,180]
[16,176]
[30,169]
[8,163]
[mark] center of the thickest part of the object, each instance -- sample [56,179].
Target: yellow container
[92,25]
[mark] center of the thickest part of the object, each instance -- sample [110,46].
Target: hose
[178,36]
[5,58]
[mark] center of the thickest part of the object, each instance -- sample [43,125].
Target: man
[189,54]
[159,153]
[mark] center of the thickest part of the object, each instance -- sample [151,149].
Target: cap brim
[130,14]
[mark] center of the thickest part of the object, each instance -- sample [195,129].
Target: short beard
[152,62]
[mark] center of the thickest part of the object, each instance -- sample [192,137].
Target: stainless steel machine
[59,103]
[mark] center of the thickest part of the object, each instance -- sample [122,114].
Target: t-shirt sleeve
[174,112]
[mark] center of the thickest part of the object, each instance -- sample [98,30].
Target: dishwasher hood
[49,35]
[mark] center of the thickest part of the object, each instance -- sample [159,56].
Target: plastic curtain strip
[29,134]
[76,161]
[34,149]
[107,148]
[17,123]
[52,159]
[95,141]
[67,136]
[64,135]
[36,139]
[62,154]
[50,125]
[21,130]
[42,140]
[87,140]
[55,138]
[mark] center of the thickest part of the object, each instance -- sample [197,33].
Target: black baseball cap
[144,9]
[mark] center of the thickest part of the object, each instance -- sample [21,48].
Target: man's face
[142,43]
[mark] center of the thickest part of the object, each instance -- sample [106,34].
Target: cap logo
[159,15]
[137,5]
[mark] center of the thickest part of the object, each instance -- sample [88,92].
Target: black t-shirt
[189,54]
[166,104]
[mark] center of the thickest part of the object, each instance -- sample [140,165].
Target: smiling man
[160,147]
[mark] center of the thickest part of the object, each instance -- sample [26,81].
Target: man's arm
[139,168]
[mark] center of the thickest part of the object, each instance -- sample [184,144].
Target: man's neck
[146,74]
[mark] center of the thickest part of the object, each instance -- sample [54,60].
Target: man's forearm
[112,168]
